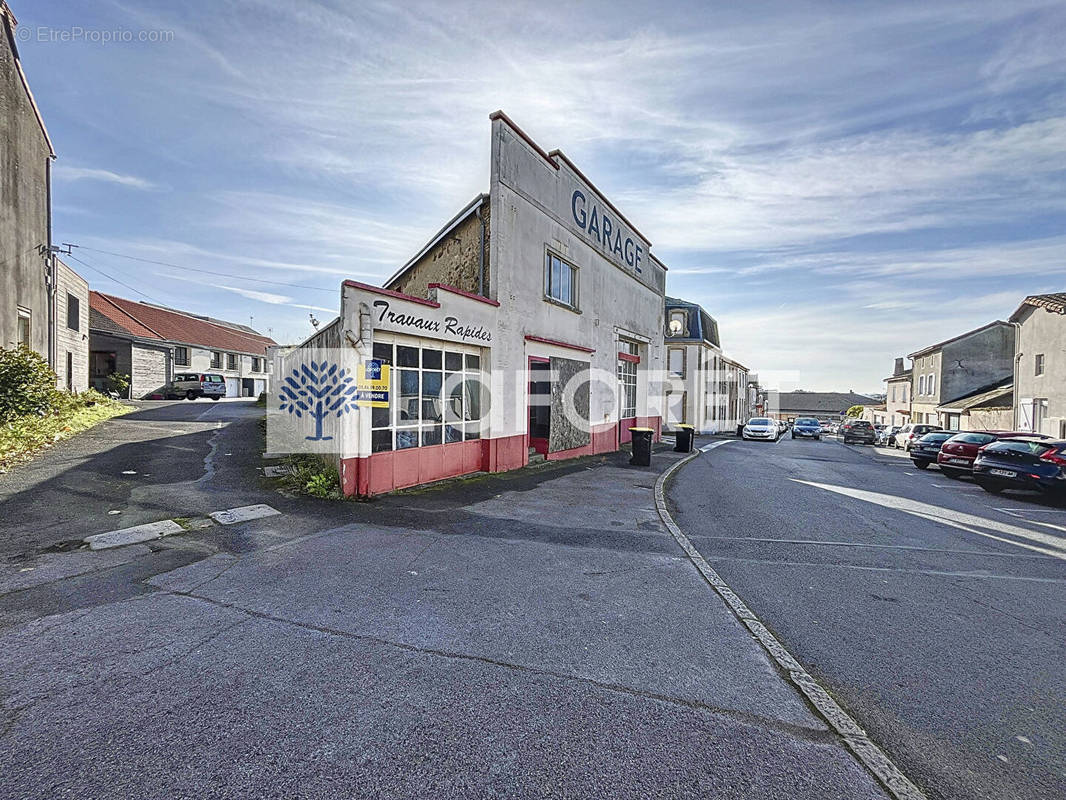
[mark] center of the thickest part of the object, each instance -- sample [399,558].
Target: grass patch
[312,476]
[25,436]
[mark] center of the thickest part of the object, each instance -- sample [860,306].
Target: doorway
[540,399]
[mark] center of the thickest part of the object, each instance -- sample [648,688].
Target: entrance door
[540,399]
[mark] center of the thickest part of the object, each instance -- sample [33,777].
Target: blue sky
[837,183]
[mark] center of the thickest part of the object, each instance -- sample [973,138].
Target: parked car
[958,453]
[806,428]
[762,428]
[858,430]
[924,451]
[887,437]
[191,385]
[1022,462]
[912,431]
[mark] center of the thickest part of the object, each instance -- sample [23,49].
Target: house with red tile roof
[152,344]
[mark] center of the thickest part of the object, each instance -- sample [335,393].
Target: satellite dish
[675,327]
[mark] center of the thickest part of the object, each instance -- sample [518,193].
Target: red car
[957,453]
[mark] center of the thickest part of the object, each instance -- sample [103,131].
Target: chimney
[898,370]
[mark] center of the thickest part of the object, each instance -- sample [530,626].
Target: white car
[761,428]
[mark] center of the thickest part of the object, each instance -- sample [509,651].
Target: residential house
[830,406]
[898,395]
[151,344]
[990,408]
[40,297]
[704,388]
[944,373]
[1040,364]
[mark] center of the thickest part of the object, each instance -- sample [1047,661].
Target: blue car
[807,428]
[1022,463]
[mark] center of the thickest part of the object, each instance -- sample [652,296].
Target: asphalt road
[934,612]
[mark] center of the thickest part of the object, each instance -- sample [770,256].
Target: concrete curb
[134,535]
[871,756]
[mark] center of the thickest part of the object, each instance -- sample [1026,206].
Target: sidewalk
[551,641]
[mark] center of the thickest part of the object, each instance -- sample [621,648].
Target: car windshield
[806,421]
[937,436]
[1018,446]
[972,438]
[759,421]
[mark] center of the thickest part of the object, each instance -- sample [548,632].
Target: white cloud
[65,172]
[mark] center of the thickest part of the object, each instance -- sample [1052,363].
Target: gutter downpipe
[1017,360]
[481,255]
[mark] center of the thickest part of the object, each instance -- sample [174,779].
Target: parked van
[191,385]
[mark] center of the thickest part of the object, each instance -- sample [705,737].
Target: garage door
[233,387]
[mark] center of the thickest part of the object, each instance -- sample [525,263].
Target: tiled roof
[829,402]
[1055,302]
[151,322]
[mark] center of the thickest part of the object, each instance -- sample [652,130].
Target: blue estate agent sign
[608,233]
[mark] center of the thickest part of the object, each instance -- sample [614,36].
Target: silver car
[762,428]
[192,385]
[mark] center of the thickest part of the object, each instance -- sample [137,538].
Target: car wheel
[921,464]
[190,395]
[951,473]
[215,397]
[793,436]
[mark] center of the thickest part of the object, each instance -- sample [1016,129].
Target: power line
[208,271]
[113,278]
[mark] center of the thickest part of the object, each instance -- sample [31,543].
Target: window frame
[77,312]
[233,361]
[216,359]
[684,360]
[546,285]
[1039,365]
[463,425]
[25,316]
[177,361]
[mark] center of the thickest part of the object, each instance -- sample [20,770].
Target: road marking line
[827,543]
[709,447]
[955,519]
[945,573]
[868,753]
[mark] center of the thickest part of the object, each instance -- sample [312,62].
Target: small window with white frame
[560,281]
[23,327]
[1038,366]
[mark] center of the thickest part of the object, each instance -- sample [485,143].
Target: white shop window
[435,396]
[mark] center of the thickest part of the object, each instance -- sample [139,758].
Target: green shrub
[119,383]
[313,476]
[27,383]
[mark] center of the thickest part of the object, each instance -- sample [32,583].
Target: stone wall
[452,261]
[567,433]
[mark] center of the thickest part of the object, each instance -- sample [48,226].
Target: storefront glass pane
[453,361]
[473,430]
[383,352]
[454,388]
[452,433]
[473,362]
[431,359]
[472,398]
[409,397]
[432,404]
[406,439]
[380,441]
[431,435]
[406,356]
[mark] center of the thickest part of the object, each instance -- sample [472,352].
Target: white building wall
[532,213]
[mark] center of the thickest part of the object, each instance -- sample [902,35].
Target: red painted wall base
[399,469]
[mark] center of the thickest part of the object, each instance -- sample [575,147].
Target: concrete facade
[1040,399]
[523,339]
[71,315]
[26,154]
[969,363]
